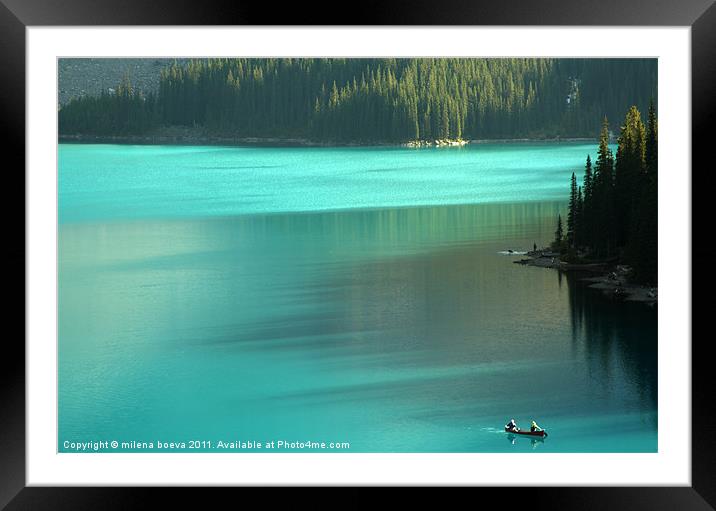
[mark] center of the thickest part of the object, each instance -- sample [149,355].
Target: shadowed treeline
[372,100]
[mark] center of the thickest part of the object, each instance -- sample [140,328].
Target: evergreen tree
[642,247]
[630,180]
[651,150]
[579,219]
[588,178]
[603,196]
[558,235]
[587,236]
[572,212]
[629,170]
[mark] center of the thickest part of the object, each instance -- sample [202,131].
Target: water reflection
[618,335]
[534,441]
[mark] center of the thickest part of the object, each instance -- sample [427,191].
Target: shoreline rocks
[180,135]
[619,287]
[447,142]
[612,280]
[166,137]
[530,140]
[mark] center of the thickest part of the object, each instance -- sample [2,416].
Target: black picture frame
[16,15]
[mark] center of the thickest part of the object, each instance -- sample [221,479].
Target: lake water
[337,295]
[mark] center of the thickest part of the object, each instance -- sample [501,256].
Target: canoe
[527,432]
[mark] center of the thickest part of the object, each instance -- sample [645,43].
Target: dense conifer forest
[613,213]
[373,100]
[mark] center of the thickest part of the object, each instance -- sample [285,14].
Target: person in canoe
[511,426]
[534,427]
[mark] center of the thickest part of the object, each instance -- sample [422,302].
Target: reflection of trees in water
[615,334]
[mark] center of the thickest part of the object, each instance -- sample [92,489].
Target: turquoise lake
[358,295]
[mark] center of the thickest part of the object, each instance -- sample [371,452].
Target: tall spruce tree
[587,212]
[604,230]
[558,235]
[643,242]
[629,171]
[579,219]
[651,150]
[572,212]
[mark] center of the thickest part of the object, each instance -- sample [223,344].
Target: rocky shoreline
[179,135]
[528,140]
[610,278]
[184,135]
[201,139]
[444,142]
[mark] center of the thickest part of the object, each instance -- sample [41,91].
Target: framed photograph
[404,252]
